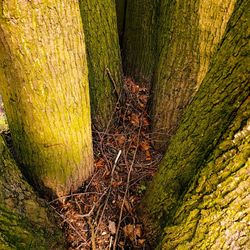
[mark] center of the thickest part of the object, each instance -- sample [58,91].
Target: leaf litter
[102,214]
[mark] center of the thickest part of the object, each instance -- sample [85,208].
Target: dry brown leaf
[127,205]
[135,88]
[145,122]
[112,227]
[148,156]
[116,183]
[138,231]
[135,119]
[141,242]
[129,231]
[121,139]
[145,145]
[100,163]
[143,98]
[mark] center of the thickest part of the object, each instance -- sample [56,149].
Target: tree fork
[25,221]
[225,88]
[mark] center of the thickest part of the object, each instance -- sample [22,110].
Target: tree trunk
[188,36]
[3,122]
[24,221]
[214,213]
[120,13]
[224,89]
[44,84]
[139,41]
[104,60]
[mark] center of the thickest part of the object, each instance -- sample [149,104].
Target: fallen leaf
[135,120]
[141,241]
[100,163]
[148,156]
[135,88]
[127,206]
[112,227]
[145,122]
[145,145]
[121,139]
[143,98]
[129,231]
[138,231]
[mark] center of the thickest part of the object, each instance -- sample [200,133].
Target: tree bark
[104,60]
[44,84]
[224,89]
[3,121]
[214,213]
[139,41]
[24,219]
[120,13]
[188,35]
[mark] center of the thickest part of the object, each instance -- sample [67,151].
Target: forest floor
[103,213]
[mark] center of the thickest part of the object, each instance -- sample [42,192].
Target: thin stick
[127,187]
[111,181]
[69,223]
[113,81]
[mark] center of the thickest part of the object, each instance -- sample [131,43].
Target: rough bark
[139,41]
[104,60]
[44,84]
[215,211]
[224,89]
[3,121]
[24,219]
[120,13]
[188,36]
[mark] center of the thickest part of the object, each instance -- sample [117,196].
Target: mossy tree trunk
[224,89]
[188,36]
[139,40]
[44,85]
[25,222]
[104,59]
[214,213]
[121,6]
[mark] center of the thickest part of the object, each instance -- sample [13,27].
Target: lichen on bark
[104,59]
[214,213]
[44,85]
[25,220]
[224,89]
[139,41]
[189,32]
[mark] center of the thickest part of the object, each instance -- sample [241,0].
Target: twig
[69,223]
[113,81]
[71,195]
[127,187]
[111,181]
[92,234]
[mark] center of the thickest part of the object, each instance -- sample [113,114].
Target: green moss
[44,85]
[104,59]
[204,123]
[215,206]
[25,221]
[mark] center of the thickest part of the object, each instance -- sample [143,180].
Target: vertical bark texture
[104,60]
[24,221]
[224,89]
[215,211]
[120,13]
[3,121]
[44,84]
[188,36]
[139,41]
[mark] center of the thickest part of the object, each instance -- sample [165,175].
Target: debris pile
[102,215]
